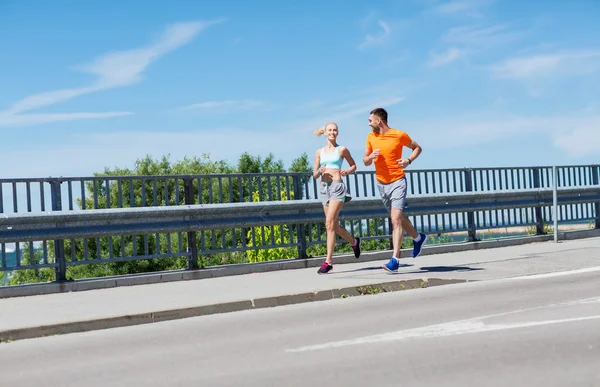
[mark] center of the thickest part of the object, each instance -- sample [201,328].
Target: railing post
[60,269]
[596,181]
[470,215]
[539,215]
[298,195]
[555,201]
[191,235]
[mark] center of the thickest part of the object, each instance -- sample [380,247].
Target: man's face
[374,123]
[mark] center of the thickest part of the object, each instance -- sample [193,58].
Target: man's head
[378,119]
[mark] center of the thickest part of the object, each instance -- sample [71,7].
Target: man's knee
[396,216]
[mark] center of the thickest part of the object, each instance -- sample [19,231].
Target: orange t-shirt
[390,147]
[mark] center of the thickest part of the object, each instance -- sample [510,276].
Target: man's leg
[419,238]
[397,222]
[408,226]
[396,217]
[397,198]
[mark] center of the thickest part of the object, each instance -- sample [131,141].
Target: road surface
[540,330]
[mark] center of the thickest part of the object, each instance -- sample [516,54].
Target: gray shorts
[336,190]
[393,194]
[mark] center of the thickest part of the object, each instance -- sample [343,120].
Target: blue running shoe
[392,266]
[417,246]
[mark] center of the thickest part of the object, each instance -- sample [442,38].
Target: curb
[227,307]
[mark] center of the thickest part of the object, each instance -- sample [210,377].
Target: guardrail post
[191,235]
[298,195]
[470,215]
[60,269]
[596,180]
[539,215]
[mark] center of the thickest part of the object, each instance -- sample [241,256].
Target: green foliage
[301,164]
[280,234]
[254,164]
[21,277]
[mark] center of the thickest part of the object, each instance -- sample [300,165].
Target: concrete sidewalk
[41,315]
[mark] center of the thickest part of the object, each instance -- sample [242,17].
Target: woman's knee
[331,224]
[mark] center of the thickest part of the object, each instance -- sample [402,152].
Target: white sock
[417,239]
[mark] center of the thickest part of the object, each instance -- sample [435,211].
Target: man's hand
[403,163]
[374,154]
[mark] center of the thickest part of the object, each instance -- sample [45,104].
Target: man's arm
[368,150]
[367,159]
[416,151]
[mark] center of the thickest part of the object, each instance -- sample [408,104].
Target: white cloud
[581,141]
[466,41]
[463,7]
[481,37]
[535,66]
[34,119]
[436,60]
[86,153]
[116,69]
[238,104]
[578,135]
[373,40]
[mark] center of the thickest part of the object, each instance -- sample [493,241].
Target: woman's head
[330,131]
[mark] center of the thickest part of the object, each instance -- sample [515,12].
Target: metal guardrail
[72,193]
[59,226]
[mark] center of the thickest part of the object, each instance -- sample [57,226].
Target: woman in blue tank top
[328,165]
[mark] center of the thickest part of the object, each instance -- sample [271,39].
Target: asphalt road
[535,331]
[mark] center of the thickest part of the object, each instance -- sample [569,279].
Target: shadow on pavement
[370,268]
[444,269]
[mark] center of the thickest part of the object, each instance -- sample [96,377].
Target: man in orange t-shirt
[384,146]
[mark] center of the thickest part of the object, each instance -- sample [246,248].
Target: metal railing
[41,194]
[64,226]
[27,198]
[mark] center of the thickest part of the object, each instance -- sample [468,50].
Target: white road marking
[440,330]
[553,274]
[459,327]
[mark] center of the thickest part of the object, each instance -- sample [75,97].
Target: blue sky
[478,83]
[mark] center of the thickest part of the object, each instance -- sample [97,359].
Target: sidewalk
[36,316]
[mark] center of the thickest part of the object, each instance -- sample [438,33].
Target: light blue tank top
[331,160]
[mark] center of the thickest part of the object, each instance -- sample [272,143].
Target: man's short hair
[381,113]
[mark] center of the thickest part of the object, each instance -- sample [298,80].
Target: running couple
[384,146]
